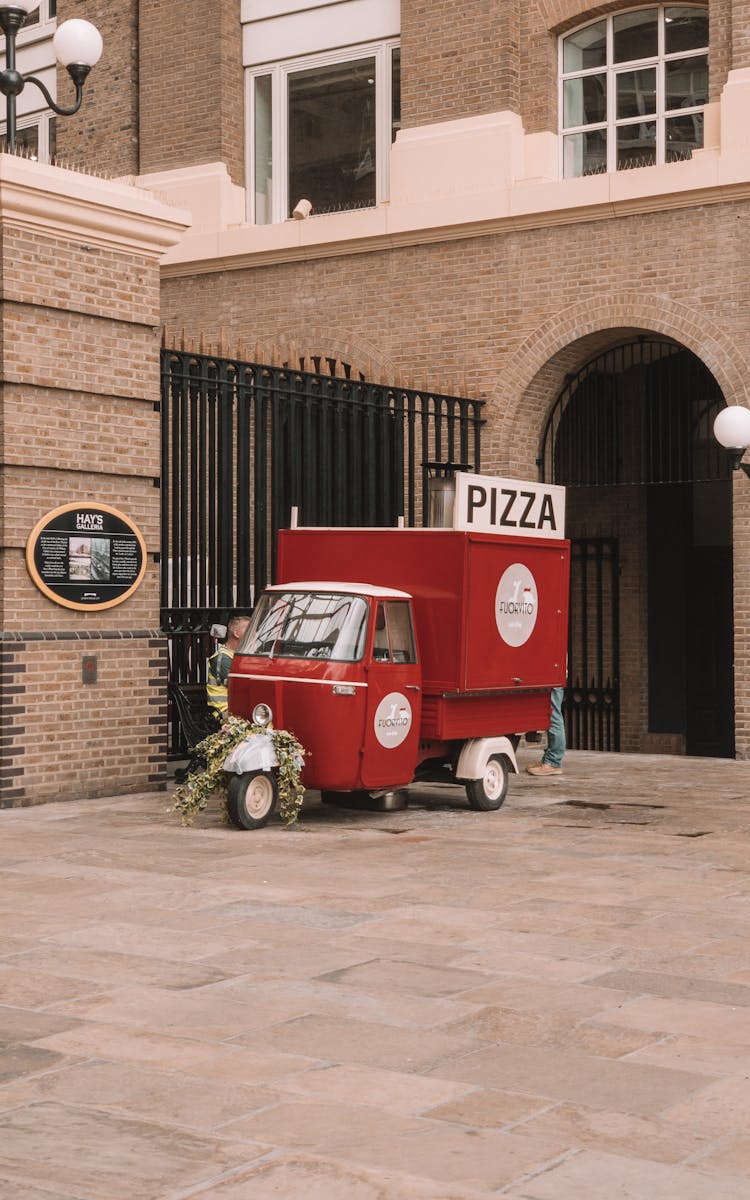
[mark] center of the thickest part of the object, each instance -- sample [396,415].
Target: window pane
[52,138]
[381,647]
[586,48]
[402,637]
[636,146]
[395,93]
[636,92]
[262,150]
[636,35]
[686,82]
[585,154]
[332,136]
[684,134]
[685,29]
[27,141]
[584,100]
[307,625]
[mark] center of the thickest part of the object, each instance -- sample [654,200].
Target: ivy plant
[193,795]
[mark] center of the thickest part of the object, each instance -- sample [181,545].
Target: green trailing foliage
[193,795]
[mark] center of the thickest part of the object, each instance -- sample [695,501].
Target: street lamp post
[732,431]
[78,47]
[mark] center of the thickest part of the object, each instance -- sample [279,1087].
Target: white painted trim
[298,678]
[311,30]
[484,176]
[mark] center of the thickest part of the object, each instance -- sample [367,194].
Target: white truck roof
[355,589]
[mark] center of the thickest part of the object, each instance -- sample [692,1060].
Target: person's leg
[553,755]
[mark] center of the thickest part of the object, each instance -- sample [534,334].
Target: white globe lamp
[732,431]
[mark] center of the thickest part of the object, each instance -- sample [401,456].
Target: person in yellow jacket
[220,663]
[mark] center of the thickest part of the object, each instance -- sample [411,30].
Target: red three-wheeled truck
[399,655]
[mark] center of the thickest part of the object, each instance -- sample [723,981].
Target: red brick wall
[168,91]
[103,136]
[459,58]
[192,90]
[79,357]
[62,740]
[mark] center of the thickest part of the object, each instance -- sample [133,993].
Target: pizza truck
[409,655]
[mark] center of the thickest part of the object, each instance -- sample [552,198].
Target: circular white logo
[392,720]
[516,605]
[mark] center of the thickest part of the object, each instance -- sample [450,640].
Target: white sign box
[486,504]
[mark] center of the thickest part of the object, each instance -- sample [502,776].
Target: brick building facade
[494,245]
[79,335]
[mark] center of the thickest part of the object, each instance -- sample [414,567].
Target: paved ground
[551,1002]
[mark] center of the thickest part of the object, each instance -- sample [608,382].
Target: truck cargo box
[491,610]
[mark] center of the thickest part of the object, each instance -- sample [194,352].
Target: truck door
[394,699]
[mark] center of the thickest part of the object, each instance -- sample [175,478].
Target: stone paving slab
[596,1176]
[550,1002]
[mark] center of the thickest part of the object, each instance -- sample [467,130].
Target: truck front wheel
[488,792]
[251,798]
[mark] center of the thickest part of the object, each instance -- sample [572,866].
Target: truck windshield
[307,625]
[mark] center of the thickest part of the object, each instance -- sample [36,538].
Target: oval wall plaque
[86,556]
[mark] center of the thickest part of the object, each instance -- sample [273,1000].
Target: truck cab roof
[356,589]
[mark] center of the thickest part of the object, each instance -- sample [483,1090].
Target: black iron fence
[592,697]
[244,443]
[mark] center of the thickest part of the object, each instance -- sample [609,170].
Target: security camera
[302,210]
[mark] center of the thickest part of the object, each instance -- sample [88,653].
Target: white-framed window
[35,124]
[35,137]
[633,87]
[320,129]
[46,11]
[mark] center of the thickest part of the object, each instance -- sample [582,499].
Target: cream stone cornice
[237,260]
[474,177]
[83,208]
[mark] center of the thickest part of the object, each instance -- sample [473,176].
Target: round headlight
[262,715]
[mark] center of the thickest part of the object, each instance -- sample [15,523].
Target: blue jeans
[556,732]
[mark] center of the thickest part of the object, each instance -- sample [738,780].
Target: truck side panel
[517,628]
[455,718]
[491,611]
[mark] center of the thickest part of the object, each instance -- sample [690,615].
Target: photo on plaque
[100,559]
[79,555]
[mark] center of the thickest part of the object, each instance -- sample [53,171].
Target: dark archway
[649,506]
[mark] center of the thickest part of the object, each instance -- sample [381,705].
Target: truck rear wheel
[251,798]
[488,792]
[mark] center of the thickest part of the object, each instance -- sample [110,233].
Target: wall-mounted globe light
[78,47]
[732,431]
[78,44]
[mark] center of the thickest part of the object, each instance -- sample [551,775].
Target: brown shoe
[544,768]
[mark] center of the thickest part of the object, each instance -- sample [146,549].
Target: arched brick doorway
[650,517]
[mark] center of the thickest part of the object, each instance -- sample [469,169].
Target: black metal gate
[244,443]
[640,413]
[592,697]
